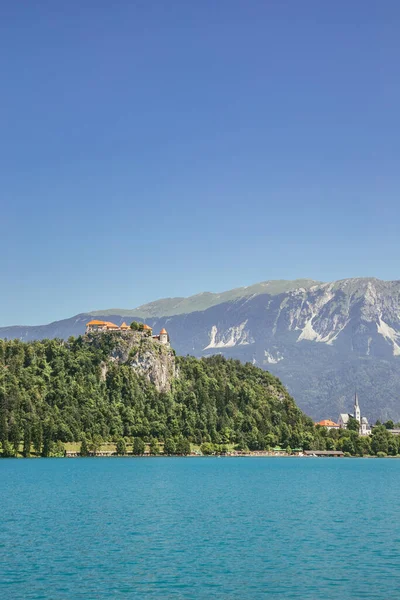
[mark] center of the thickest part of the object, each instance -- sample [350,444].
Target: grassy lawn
[111,447]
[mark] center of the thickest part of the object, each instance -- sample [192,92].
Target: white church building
[365,428]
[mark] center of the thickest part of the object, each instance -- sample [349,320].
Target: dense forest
[54,392]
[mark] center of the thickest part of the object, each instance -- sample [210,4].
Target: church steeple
[357,411]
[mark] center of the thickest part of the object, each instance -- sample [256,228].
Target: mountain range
[324,340]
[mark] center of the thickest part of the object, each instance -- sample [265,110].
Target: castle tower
[163,336]
[357,411]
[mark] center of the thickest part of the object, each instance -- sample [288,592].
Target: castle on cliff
[107,326]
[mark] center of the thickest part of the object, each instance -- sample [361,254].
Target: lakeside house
[107,326]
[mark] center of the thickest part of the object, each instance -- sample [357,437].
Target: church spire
[357,411]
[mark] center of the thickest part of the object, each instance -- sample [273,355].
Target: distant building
[343,419]
[96,325]
[328,424]
[163,337]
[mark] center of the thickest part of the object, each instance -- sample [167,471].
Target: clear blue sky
[152,148]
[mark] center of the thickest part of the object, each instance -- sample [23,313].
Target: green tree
[365,443]
[58,449]
[8,449]
[37,437]
[27,440]
[84,451]
[353,424]
[47,447]
[182,446]
[154,447]
[15,437]
[96,443]
[169,446]
[138,446]
[330,444]
[379,440]
[3,425]
[120,446]
[348,445]
[207,448]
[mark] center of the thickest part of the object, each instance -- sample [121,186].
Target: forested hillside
[53,392]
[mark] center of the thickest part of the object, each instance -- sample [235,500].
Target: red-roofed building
[328,424]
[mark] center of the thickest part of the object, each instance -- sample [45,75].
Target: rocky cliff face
[146,356]
[322,339]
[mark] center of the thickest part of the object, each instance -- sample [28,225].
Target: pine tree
[15,437]
[47,439]
[27,440]
[37,437]
[84,447]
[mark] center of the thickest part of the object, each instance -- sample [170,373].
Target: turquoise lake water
[200,528]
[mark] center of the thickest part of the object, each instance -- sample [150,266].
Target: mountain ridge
[204,300]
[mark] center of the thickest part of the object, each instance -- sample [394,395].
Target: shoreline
[150,456]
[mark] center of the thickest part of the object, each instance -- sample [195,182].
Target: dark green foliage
[8,450]
[53,392]
[84,451]
[27,440]
[120,446]
[169,446]
[207,448]
[95,444]
[380,440]
[37,437]
[138,446]
[15,436]
[353,424]
[182,446]
[154,447]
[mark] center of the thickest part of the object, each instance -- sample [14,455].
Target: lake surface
[200,528]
